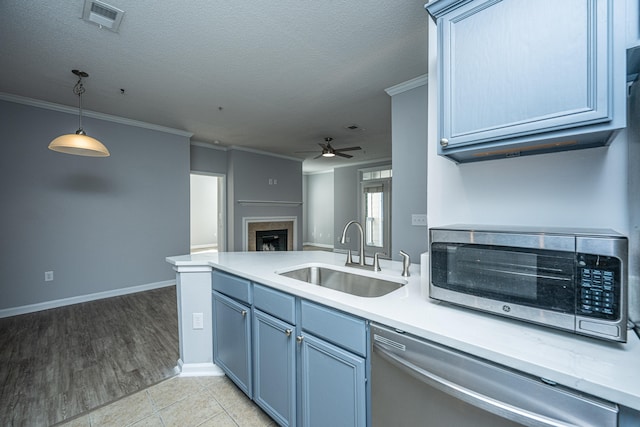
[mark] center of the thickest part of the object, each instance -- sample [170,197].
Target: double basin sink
[344,281]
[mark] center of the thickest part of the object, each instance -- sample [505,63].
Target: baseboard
[206,245]
[199,369]
[31,308]
[320,245]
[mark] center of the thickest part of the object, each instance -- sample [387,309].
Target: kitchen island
[607,370]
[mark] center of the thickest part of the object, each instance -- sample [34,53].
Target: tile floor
[180,401]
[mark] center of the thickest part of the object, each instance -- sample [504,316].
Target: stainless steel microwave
[570,279]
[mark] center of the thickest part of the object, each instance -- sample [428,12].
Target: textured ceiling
[275,76]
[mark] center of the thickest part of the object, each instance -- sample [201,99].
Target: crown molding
[209,145]
[265,153]
[408,85]
[94,115]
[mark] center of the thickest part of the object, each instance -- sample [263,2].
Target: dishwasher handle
[474,398]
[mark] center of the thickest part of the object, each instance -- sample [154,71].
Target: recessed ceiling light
[102,14]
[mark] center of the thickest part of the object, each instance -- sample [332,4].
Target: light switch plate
[198,321]
[419,220]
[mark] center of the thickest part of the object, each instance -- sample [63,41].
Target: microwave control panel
[598,291]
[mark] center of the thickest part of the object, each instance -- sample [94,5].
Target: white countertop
[604,369]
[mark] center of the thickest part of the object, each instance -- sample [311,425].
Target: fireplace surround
[251,225]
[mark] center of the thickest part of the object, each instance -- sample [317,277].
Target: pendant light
[79,143]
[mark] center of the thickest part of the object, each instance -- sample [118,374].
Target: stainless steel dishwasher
[419,383]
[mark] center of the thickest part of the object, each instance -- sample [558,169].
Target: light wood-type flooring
[180,402]
[58,363]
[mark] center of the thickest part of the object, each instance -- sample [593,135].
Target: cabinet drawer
[232,286]
[334,326]
[275,303]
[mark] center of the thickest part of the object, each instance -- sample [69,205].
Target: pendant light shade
[79,143]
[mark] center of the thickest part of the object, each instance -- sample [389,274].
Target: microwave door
[534,278]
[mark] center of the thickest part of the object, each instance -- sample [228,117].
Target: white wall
[204,210]
[319,201]
[582,188]
[585,188]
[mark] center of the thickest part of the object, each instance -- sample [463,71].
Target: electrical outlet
[275,181]
[419,220]
[198,321]
[270,181]
[48,276]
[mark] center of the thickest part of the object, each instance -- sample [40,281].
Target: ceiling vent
[102,14]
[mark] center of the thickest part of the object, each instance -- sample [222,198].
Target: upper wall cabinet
[633,39]
[518,77]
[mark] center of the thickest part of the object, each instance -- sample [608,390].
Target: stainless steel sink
[350,283]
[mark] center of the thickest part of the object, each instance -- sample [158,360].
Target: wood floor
[58,363]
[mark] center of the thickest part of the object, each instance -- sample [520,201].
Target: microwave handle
[472,397]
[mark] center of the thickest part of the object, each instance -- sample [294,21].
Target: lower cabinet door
[274,388]
[333,385]
[232,340]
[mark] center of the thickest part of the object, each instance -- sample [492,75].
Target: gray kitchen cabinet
[232,329]
[633,23]
[303,363]
[633,39]
[517,77]
[333,358]
[274,354]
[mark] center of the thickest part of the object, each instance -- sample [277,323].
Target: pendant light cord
[78,89]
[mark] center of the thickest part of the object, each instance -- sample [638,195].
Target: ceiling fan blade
[302,152]
[348,149]
[348,156]
[324,146]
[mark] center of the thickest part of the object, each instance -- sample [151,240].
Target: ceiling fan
[329,151]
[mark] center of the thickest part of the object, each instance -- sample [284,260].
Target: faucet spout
[406,262]
[344,239]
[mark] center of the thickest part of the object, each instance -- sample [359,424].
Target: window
[376,209]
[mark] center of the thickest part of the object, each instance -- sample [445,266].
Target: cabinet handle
[288,332]
[444,142]
[244,313]
[299,339]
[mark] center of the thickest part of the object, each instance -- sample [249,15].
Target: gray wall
[319,207]
[409,184]
[101,224]
[248,179]
[346,188]
[208,159]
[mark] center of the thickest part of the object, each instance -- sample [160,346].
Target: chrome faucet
[406,262]
[361,261]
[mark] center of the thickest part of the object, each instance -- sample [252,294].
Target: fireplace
[271,240]
[269,233]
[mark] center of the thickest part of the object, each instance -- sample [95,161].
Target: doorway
[207,207]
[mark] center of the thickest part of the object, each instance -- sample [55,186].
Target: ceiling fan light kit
[329,151]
